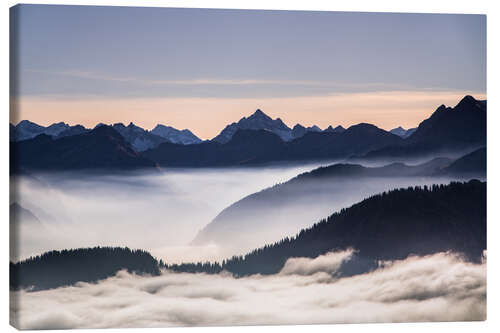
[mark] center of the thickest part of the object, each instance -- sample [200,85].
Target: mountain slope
[72,130]
[388,226]
[27,130]
[448,129]
[245,147]
[472,163]
[137,137]
[401,132]
[257,121]
[299,131]
[18,214]
[101,148]
[173,135]
[280,210]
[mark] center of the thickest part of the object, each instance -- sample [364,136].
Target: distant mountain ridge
[400,131]
[100,148]
[259,139]
[447,129]
[173,135]
[261,121]
[139,138]
[248,147]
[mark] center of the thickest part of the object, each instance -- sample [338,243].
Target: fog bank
[440,287]
[157,211]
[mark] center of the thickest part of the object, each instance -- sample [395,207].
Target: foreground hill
[62,268]
[388,226]
[101,148]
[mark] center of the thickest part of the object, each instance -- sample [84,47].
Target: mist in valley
[169,212]
[157,211]
[283,211]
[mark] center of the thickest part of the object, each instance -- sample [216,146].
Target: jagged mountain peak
[338,129]
[173,135]
[469,102]
[257,121]
[259,113]
[27,122]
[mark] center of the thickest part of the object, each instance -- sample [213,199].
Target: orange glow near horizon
[206,117]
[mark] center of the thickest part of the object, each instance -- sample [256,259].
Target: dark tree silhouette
[61,268]
[388,226]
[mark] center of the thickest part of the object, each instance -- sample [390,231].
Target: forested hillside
[61,268]
[387,226]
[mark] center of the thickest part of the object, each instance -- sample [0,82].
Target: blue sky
[84,53]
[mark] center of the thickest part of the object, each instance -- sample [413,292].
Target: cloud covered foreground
[440,287]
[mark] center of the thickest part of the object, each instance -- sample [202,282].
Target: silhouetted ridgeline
[61,268]
[387,226]
[101,148]
[254,140]
[448,129]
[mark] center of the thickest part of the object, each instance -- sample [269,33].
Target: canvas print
[215,167]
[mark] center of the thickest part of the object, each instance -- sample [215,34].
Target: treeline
[388,226]
[62,268]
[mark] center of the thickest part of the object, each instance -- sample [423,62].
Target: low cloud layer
[440,287]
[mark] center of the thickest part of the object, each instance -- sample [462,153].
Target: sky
[205,68]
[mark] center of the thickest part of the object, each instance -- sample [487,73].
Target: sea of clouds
[440,287]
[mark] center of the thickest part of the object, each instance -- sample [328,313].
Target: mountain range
[250,147]
[259,139]
[139,138]
[260,121]
[100,148]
